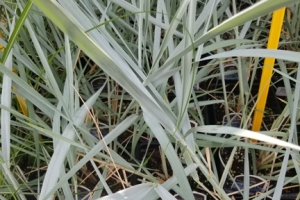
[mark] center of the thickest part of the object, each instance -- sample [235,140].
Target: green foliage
[128,71]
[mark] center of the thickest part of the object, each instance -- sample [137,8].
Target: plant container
[197,195]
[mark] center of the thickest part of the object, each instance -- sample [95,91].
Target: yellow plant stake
[21,100]
[265,80]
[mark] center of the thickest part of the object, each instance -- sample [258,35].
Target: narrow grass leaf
[28,92]
[51,81]
[56,136]
[135,192]
[116,68]
[133,9]
[62,147]
[292,131]
[163,193]
[16,30]
[278,54]
[102,144]
[171,29]
[205,103]
[170,153]
[261,8]
[231,142]
[10,177]
[243,133]
[6,101]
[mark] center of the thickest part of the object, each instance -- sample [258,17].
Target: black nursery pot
[197,195]
[232,188]
[257,185]
[94,132]
[231,74]
[153,150]
[216,117]
[98,83]
[140,151]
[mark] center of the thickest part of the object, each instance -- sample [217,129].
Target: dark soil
[217,111]
[152,158]
[153,163]
[88,177]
